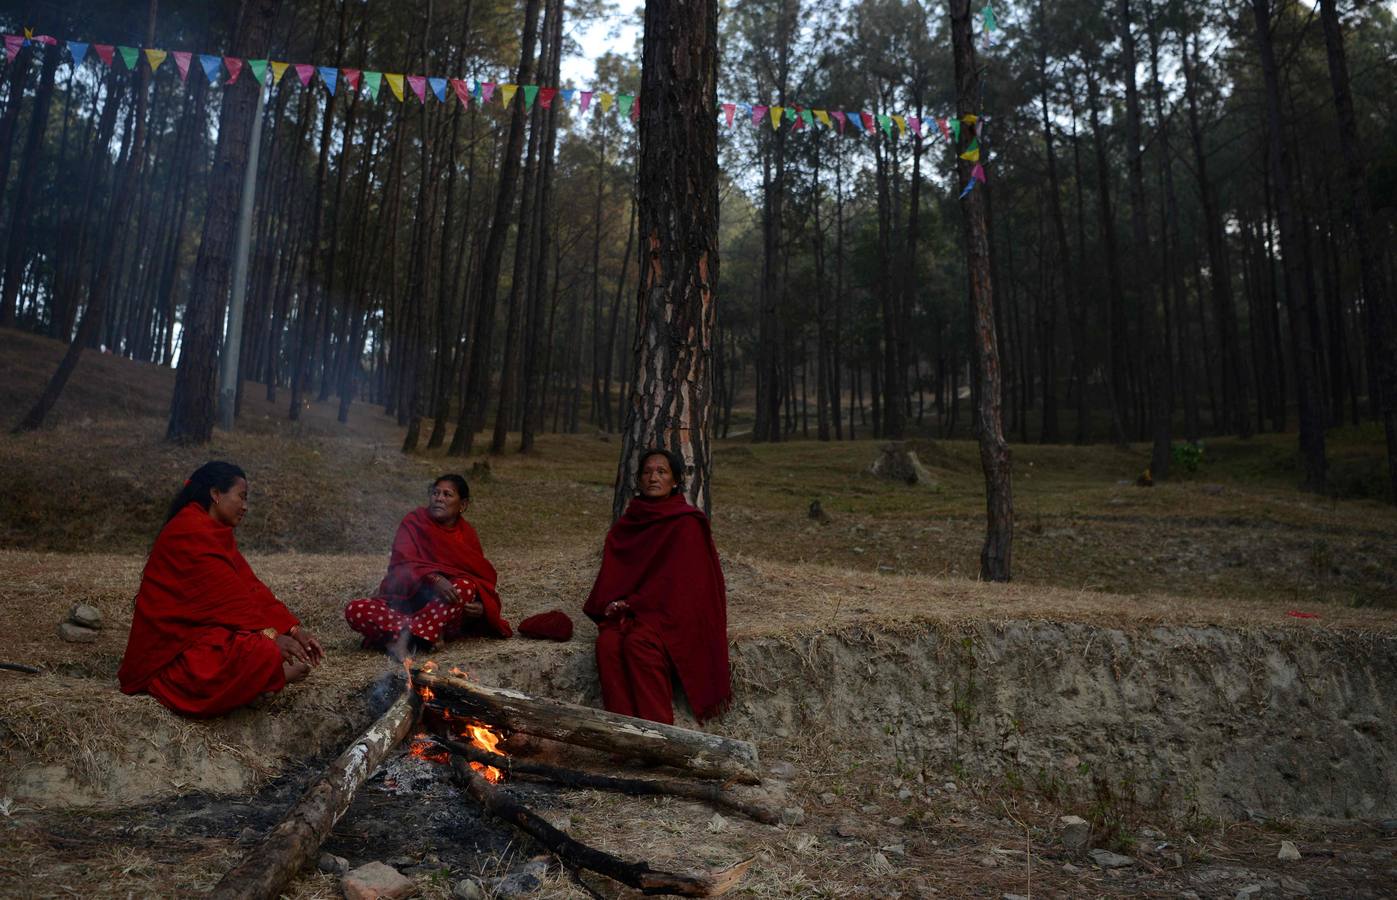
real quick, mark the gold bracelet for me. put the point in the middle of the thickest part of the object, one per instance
(269, 633)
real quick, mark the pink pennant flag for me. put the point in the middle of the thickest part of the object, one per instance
(978, 173)
(463, 91)
(12, 44)
(728, 110)
(915, 124)
(304, 71)
(419, 86)
(545, 97)
(182, 58)
(487, 90)
(104, 52)
(945, 129)
(758, 114)
(838, 117)
(235, 68)
(351, 78)
(585, 101)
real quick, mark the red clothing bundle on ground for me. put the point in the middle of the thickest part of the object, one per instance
(553, 625)
(422, 549)
(193, 642)
(659, 558)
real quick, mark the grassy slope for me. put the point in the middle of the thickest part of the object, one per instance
(99, 478)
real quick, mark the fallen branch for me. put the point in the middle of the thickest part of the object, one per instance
(577, 855)
(20, 667)
(709, 755)
(708, 792)
(266, 868)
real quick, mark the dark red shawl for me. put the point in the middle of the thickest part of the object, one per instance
(422, 548)
(195, 584)
(659, 557)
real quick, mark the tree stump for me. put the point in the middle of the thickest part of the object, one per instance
(896, 463)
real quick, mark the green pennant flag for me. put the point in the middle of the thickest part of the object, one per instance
(955, 128)
(623, 103)
(129, 56)
(790, 114)
(885, 123)
(259, 69)
(808, 117)
(374, 80)
(991, 23)
(530, 92)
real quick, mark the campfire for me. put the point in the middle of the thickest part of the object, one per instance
(451, 720)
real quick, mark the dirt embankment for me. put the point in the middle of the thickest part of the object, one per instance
(1189, 719)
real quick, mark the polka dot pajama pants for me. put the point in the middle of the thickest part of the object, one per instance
(380, 624)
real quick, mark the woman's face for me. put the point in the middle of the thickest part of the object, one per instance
(656, 478)
(228, 507)
(445, 503)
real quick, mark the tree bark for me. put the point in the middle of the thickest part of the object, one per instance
(671, 395)
(996, 556)
(1382, 335)
(1292, 253)
(193, 407)
(16, 248)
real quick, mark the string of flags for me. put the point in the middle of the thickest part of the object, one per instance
(344, 79)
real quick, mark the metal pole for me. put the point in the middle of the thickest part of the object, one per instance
(232, 346)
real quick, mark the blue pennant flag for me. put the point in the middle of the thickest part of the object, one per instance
(856, 119)
(329, 75)
(567, 95)
(969, 186)
(79, 50)
(438, 88)
(211, 66)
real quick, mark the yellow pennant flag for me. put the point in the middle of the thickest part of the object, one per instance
(155, 58)
(278, 70)
(507, 93)
(901, 124)
(605, 101)
(396, 83)
(776, 112)
(823, 117)
(969, 118)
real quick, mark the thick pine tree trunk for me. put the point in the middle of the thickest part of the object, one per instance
(193, 407)
(996, 555)
(420, 290)
(1115, 320)
(1292, 253)
(671, 399)
(1382, 335)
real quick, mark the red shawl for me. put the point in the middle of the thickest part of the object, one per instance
(195, 584)
(422, 549)
(659, 557)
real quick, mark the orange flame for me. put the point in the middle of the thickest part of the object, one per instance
(481, 736)
(423, 748)
(429, 666)
(459, 672)
(428, 695)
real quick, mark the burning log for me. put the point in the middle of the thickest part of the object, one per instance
(708, 792)
(266, 868)
(576, 855)
(705, 754)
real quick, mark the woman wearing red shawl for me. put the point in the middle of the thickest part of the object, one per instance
(207, 636)
(660, 603)
(439, 584)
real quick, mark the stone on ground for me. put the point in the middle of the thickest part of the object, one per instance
(331, 864)
(76, 634)
(468, 889)
(1289, 852)
(1076, 832)
(375, 881)
(86, 616)
(1108, 860)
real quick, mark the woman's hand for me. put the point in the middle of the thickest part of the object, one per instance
(314, 652)
(615, 609)
(473, 609)
(291, 650)
(446, 589)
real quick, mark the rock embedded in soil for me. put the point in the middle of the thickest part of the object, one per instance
(1108, 860)
(468, 889)
(86, 616)
(1288, 852)
(331, 864)
(782, 769)
(828, 798)
(1076, 832)
(76, 634)
(375, 881)
(793, 815)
